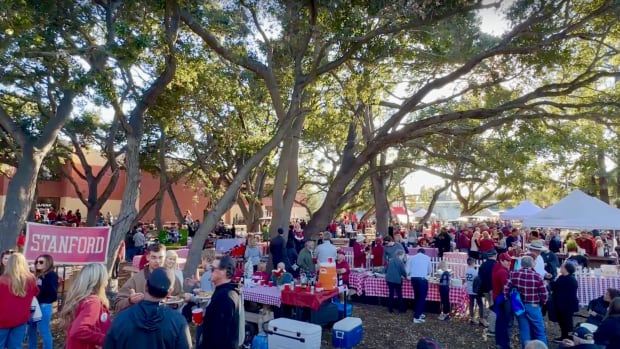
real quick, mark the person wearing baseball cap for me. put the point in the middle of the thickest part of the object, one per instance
(147, 324)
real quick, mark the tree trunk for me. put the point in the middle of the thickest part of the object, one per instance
(96, 201)
(431, 205)
(158, 211)
(91, 217)
(602, 177)
(382, 206)
(286, 181)
(19, 196)
(133, 177)
(175, 205)
(228, 199)
(405, 206)
(332, 202)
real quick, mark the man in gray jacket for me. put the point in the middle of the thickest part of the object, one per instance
(394, 274)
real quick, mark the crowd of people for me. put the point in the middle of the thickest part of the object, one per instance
(517, 284)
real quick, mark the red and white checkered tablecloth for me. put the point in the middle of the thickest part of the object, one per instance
(592, 287)
(356, 281)
(263, 294)
(459, 298)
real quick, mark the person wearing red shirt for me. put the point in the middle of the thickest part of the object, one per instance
(17, 289)
(342, 267)
(502, 323)
(377, 253)
(51, 216)
(85, 314)
(359, 252)
(21, 241)
(586, 243)
(486, 244)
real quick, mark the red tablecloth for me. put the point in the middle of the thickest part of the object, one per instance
(263, 294)
(307, 299)
(356, 281)
(592, 287)
(377, 287)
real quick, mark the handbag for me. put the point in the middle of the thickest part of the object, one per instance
(517, 303)
(35, 311)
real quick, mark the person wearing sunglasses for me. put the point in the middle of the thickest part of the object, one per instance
(47, 280)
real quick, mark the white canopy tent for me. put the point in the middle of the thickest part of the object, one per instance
(519, 213)
(577, 211)
(421, 213)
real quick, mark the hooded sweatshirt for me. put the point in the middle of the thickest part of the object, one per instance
(221, 319)
(147, 324)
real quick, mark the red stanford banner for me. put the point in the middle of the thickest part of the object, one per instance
(67, 245)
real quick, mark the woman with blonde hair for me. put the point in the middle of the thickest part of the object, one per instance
(252, 252)
(172, 264)
(17, 289)
(85, 314)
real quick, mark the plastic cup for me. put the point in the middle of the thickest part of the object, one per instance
(270, 283)
(298, 288)
(197, 315)
(314, 260)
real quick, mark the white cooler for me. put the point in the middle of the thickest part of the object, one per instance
(286, 334)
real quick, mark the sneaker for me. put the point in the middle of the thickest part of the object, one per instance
(491, 334)
(419, 321)
(423, 316)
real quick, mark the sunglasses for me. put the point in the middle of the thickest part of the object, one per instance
(40, 262)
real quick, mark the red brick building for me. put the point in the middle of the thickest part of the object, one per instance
(62, 193)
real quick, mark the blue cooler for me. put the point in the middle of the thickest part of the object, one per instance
(347, 332)
(341, 312)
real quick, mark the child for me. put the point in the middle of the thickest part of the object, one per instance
(444, 291)
(474, 298)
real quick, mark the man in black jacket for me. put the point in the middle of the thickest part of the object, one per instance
(220, 329)
(277, 248)
(485, 273)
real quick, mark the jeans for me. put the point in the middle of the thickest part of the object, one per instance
(398, 289)
(444, 295)
(12, 338)
(503, 325)
(420, 290)
(473, 300)
(531, 324)
(44, 328)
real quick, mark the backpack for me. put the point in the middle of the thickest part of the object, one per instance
(476, 285)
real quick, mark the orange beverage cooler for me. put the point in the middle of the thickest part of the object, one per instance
(327, 275)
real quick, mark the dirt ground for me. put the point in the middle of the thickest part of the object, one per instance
(396, 331)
